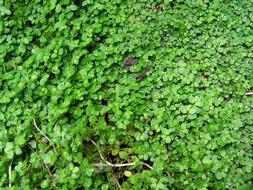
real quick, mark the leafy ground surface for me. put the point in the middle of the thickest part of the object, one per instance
(165, 83)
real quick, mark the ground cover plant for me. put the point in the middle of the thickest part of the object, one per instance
(126, 94)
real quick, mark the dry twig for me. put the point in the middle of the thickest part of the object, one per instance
(115, 177)
(10, 173)
(115, 165)
(248, 93)
(35, 124)
(118, 185)
(45, 136)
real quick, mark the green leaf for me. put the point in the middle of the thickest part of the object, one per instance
(128, 173)
(72, 7)
(123, 155)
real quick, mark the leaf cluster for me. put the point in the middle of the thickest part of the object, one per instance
(160, 82)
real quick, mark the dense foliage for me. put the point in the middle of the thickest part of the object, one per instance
(164, 83)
